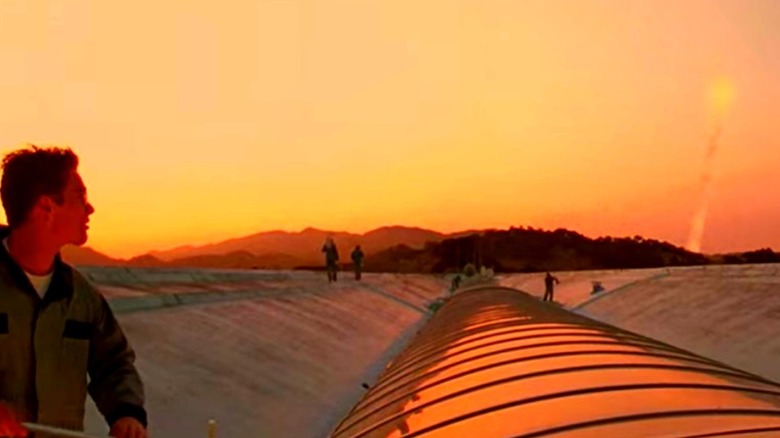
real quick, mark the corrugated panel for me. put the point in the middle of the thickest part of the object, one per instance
(496, 362)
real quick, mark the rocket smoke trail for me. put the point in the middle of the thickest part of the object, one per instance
(721, 94)
(699, 219)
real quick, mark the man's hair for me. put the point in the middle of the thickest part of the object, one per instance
(33, 172)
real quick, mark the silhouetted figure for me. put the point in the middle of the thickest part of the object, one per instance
(59, 338)
(455, 283)
(331, 258)
(549, 286)
(357, 261)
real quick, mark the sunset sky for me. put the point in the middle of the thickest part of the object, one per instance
(198, 121)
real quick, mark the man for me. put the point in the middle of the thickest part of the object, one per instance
(357, 261)
(55, 328)
(455, 283)
(331, 259)
(548, 287)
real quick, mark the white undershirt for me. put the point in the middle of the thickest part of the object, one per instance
(39, 282)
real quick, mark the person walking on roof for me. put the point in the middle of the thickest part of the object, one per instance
(331, 259)
(357, 261)
(549, 287)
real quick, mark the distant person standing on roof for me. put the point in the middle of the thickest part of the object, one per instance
(549, 285)
(331, 258)
(357, 261)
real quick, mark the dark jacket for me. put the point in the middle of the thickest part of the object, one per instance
(48, 347)
(549, 280)
(357, 257)
(331, 254)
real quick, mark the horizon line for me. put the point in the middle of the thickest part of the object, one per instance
(314, 228)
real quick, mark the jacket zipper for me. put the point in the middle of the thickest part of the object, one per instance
(33, 362)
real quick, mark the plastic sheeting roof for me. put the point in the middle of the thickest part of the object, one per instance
(496, 362)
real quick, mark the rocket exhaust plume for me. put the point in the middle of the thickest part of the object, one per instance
(700, 217)
(721, 95)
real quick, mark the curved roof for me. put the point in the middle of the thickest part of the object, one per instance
(496, 362)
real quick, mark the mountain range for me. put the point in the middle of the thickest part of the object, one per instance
(270, 249)
(412, 249)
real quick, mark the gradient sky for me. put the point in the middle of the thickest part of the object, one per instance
(198, 121)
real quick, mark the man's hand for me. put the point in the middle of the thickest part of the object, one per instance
(9, 426)
(128, 427)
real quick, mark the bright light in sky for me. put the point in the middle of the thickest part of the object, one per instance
(721, 95)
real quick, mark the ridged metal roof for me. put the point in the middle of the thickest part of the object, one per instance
(496, 362)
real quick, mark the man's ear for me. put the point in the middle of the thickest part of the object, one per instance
(44, 206)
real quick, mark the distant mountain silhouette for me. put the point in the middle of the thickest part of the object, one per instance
(411, 249)
(531, 250)
(170, 254)
(763, 255)
(86, 256)
(304, 246)
(266, 250)
(145, 261)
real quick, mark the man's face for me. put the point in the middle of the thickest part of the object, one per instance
(70, 219)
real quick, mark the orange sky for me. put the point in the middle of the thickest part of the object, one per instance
(198, 121)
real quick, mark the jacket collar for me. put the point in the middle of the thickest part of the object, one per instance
(61, 281)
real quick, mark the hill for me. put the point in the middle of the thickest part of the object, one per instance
(531, 250)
